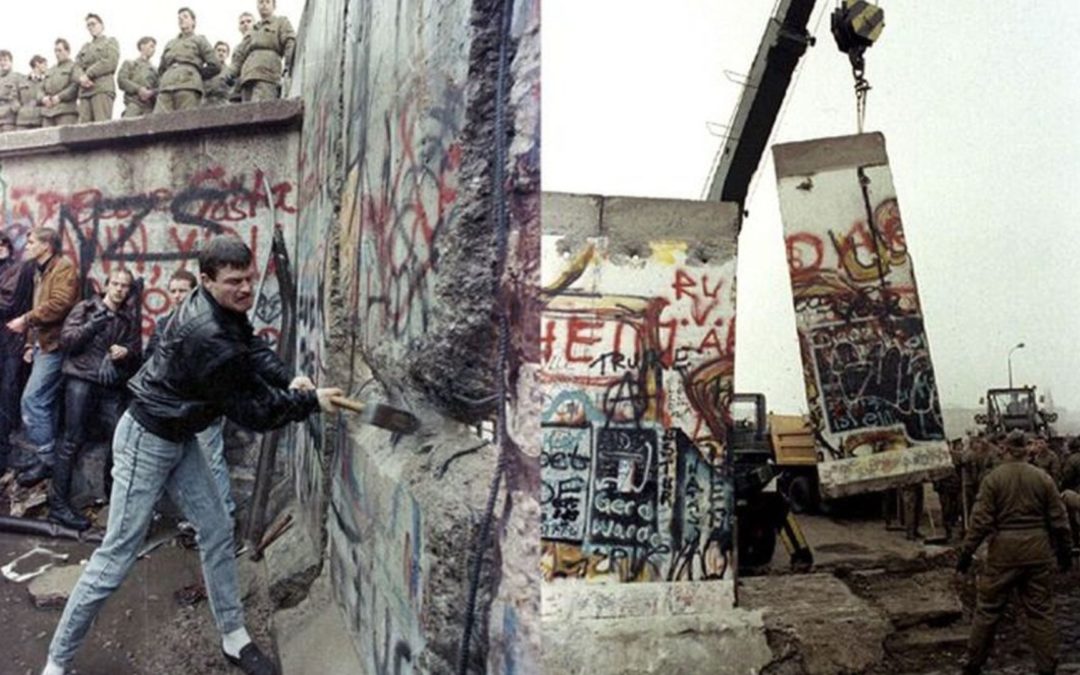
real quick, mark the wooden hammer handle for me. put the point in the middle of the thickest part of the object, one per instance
(347, 403)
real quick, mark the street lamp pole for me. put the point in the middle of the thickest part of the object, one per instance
(1019, 346)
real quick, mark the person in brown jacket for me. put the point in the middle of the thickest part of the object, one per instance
(1019, 509)
(56, 290)
(61, 89)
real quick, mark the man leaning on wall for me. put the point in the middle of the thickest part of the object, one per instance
(95, 67)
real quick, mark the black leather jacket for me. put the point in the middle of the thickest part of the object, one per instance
(88, 332)
(208, 362)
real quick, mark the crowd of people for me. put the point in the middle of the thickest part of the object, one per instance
(191, 73)
(164, 408)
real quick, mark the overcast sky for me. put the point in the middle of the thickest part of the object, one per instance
(30, 28)
(977, 101)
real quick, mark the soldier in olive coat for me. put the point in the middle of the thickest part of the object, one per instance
(31, 89)
(244, 24)
(217, 88)
(1040, 454)
(266, 55)
(95, 67)
(1070, 472)
(138, 79)
(60, 89)
(188, 59)
(9, 92)
(1020, 511)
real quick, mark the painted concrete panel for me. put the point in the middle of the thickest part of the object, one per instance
(147, 204)
(866, 359)
(637, 346)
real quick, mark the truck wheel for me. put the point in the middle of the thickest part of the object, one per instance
(801, 494)
(757, 542)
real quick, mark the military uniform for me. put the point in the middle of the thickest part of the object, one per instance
(31, 89)
(948, 491)
(61, 82)
(1048, 460)
(97, 60)
(184, 63)
(216, 90)
(1072, 508)
(1070, 472)
(9, 100)
(233, 69)
(270, 42)
(1019, 509)
(134, 75)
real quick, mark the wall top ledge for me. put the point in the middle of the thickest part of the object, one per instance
(241, 118)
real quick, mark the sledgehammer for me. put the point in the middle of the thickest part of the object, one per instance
(380, 415)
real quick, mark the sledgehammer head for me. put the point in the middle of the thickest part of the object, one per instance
(380, 414)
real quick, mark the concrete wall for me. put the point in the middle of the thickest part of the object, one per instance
(638, 363)
(144, 194)
(866, 358)
(405, 274)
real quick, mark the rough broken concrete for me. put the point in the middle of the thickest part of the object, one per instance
(53, 588)
(831, 629)
(923, 598)
(650, 628)
(311, 637)
(292, 565)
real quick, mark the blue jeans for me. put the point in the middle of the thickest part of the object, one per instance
(143, 466)
(40, 401)
(212, 444)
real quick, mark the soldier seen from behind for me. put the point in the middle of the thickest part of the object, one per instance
(31, 89)
(95, 68)
(9, 92)
(1019, 511)
(60, 89)
(266, 55)
(188, 59)
(138, 79)
(102, 347)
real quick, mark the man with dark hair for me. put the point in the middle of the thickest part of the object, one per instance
(16, 294)
(205, 365)
(9, 92)
(1019, 510)
(60, 89)
(56, 290)
(95, 67)
(102, 345)
(267, 55)
(138, 79)
(212, 438)
(188, 59)
(217, 87)
(31, 89)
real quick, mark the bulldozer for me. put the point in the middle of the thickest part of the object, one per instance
(1012, 408)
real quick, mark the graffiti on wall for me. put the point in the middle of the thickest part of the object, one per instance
(866, 360)
(377, 568)
(157, 229)
(637, 366)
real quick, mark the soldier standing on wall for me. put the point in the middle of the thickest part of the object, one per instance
(266, 55)
(9, 92)
(31, 89)
(217, 87)
(1020, 511)
(95, 67)
(139, 80)
(246, 21)
(188, 59)
(60, 89)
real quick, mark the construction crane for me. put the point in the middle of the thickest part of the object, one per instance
(856, 25)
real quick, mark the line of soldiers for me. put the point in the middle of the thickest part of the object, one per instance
(190, 74)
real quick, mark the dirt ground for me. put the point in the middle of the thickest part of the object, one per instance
(142, 629)
(927, 604)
